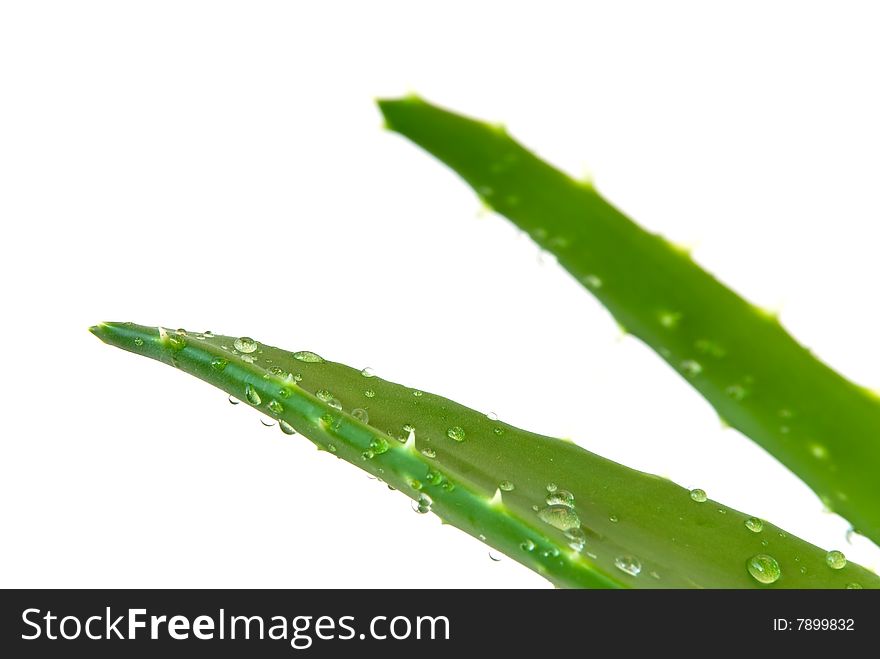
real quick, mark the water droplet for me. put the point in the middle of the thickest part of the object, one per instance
(553, 552)
(786, 413)
(247, 358)
(669, 319)
(283, 392)
(138, 341)
(428, 452)
(736, 391)
(691, 368)
(416, 393)
(495, 557)
(492, 416)
(251, 394)
(286, 428)
(456, 433)
(275, 406)
(368, 372)
(308, 356)
(629, 564)
(369, 393)
(708, 347)
(367, 455)
(218, 363)
(408, 428)
(552, 487)
(592, 282)
(323, 395)
(498, 430)
(266, 421)
(835, 559)
(560, 498)
(765, 542)
(331, 448)
(576, 538)
(378, 446)
(423, 504)
(334, 403)
(233, 400)
(561, 517)
(754, 524)
(361, 414)
(698, 495)
(613, 518)
(527, 545)
(278, 371)
(764, 568)
(506, 486)
(854, 586)
(818, 451)
(245, 344)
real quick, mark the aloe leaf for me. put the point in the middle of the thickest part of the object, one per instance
(757, 377)
(576, 518)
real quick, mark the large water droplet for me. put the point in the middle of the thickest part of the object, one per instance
(576, 538)
(754, 524)
(308, 356)
(138, 341)
(423, 504)
(334, 403)
(428, 452)
(266, 421)
(456, 433)
(361, 414)
(233, 400)
(527, 545)
(218, 363)
(286, 428)
(764, 568)
(252, 395)
(560, 517)
(629, 564)
(245, 344)
(275, 406)
(367, 372)
(506, 486)
(560, 498)
(698, 495)
(835, 559)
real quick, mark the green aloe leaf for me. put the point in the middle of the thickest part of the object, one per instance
(757, 377)
(576, 518)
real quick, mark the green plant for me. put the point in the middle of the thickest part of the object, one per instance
(576, 518)
(740, 358)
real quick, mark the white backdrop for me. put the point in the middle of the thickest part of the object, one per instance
(216, 165)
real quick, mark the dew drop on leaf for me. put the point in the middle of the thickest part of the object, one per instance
(251, 394)
(754, 524)
(698, 495)
(835, 559)
(456, 433)
(308, 356)
(245, 344)
(628, 564)
(764, 568)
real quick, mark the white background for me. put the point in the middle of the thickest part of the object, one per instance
(215, 165)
